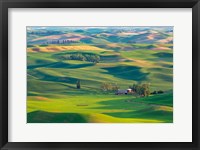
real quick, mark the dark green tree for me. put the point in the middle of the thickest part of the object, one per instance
(141, 89)
(134, 87)
(78, 84)
(145, 90)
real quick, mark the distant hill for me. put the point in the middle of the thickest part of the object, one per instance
(98, 35)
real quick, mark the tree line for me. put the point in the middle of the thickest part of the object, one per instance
(60, 42)
(139, 89)
(142, 90)
(82, 57)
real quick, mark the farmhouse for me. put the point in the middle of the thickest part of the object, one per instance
(118, 92)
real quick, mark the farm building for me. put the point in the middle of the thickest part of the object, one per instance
(119, 92)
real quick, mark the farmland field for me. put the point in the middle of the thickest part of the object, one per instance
(79, 74)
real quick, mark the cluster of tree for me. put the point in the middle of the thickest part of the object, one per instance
(157, 92)
(106, 86)
(141, 89)
(144, 90)
(82, 57)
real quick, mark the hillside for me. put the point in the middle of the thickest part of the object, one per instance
(59, 57)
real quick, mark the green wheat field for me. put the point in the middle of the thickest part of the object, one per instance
(99, 74)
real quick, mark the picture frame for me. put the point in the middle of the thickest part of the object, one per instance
(4, 67)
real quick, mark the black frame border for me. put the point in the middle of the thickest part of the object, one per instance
(6, 4)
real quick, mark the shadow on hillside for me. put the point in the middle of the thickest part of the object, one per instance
(167, 65)
(127, 72)
(135, 109)
(46, 77)
(148, 113)
(48, 117)
(164, 56)
(60, 65)
(110, 58)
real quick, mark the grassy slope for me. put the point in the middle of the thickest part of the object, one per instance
(52, 93)
(107, 107)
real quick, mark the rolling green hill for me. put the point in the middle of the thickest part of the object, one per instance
(52, 75)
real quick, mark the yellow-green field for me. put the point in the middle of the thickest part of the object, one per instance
(100, 108)
(53, 96)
